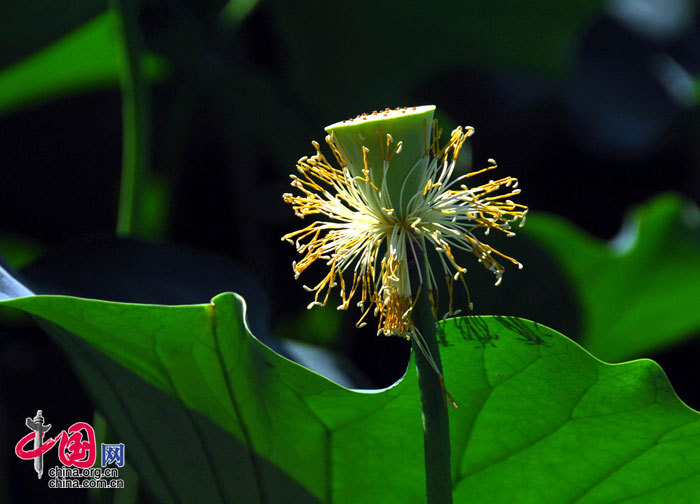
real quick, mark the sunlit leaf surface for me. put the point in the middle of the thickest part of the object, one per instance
(639, 293)
(210, 412)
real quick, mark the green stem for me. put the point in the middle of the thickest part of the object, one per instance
(136, 116)
(436, 429)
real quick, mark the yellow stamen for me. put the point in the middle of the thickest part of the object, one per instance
(363, 234)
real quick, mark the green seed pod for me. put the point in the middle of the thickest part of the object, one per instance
(392, 142)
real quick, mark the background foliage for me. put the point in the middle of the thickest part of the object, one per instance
(592, 105)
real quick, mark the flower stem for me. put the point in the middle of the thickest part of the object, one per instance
(136, 117)
(436, 430)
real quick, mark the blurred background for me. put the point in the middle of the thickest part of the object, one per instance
(591, 104)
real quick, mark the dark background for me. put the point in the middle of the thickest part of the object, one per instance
(591, 133)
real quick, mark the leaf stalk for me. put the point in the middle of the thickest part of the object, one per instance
(136, 117)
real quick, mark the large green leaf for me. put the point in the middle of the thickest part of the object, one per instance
(382, 49)
(215, 415)
(84, 59)
(639, 293)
